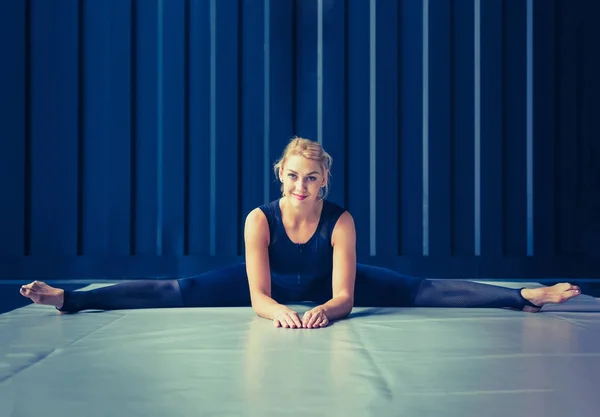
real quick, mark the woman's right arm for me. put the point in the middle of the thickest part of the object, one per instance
(256, 238)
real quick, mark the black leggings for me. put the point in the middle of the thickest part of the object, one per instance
(228, 287)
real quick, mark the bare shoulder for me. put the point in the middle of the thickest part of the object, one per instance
(257, 226)
(345, 221)
(344, 228)
(256, 216)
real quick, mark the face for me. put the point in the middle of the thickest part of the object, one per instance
(302, 179)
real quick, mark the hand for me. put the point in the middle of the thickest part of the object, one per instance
(315, 318)
(288, 318)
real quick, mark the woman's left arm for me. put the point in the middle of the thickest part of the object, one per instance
(340, 305)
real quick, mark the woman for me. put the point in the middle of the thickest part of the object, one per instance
(300, 247)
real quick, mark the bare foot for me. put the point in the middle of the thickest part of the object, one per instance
(42, 293)
(557, 294)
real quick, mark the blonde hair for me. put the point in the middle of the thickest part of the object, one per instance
(309, 149)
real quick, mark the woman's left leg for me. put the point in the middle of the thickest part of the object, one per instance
(381, 287)
(377, 286)
(460, 293)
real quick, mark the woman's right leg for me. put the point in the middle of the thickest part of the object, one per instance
(136, 294)
(224, 287)
(221, 287)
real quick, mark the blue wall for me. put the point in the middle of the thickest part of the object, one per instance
(136, 135)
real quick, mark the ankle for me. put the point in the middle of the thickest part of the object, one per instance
(531, 297)
(60, 304)
(526, 293)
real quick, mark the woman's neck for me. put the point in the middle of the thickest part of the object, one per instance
(304, 214)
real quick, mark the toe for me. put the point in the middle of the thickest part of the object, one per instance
(571, 286)
(567, 295)
(563, 287)
(29, 294)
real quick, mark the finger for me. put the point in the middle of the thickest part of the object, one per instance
(287, 321)
(321, 321)
(296, 319)
(276, 323)
(317, 316)
(324, 322)
(306, 318)
(281, 321)
(315, 319)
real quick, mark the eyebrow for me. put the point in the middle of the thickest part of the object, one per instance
(310, 173)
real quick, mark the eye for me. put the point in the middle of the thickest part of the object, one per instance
(312, 178)
(292, 176)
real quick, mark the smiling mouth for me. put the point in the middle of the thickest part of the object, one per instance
(300, 197)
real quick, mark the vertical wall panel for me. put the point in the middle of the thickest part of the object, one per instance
(95, 125)
(589, 67)
(410, 143)
(515, 163)
(492, 133)
(54, 127)
(463, 151)
(440, 96)
(174, 32)
(544, 94)
(282, 90)
(226, 129)
(122, 127)
(358, 119)
(105, 118)
(255, 170)
(13, 119)
(334, 94)
(198, 156)
(386, 126)
(149, 139)
(567, 131)
(307, 70)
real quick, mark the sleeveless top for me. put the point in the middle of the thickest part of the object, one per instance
(297, 267)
